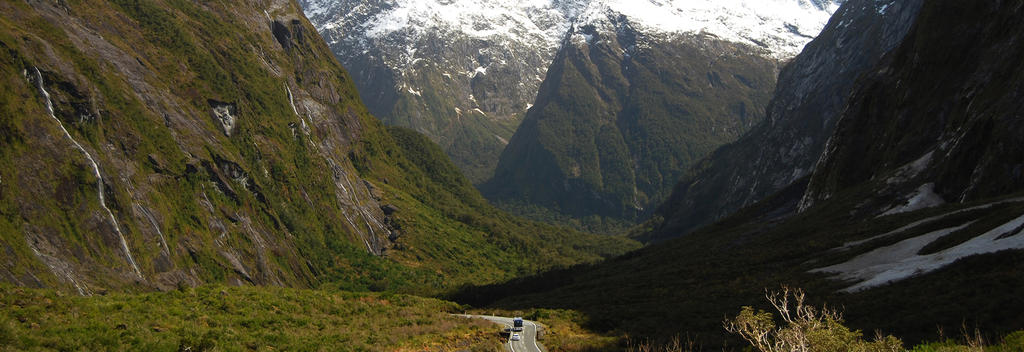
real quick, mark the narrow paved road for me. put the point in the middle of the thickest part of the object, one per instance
(529, 333)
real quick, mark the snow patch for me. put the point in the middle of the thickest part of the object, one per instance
(901, 261)
(923, 197)
(581, 38)
(852, 244)
(911, 169)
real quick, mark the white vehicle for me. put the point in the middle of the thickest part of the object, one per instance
(516, 337)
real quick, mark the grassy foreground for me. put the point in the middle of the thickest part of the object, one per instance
(235, 319)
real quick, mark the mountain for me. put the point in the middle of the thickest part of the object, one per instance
(810, 96)
(912, 221)
(621, 115)
(625, 110)
(188, 143)
(465, 72)
(462, 72)
(930, 125)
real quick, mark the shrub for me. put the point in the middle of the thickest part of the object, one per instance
(806, 328)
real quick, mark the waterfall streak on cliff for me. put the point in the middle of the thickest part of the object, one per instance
(95, 169)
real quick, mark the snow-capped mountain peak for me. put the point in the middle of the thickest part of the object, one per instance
(781, 26)
(463, 71)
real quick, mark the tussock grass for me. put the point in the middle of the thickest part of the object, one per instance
(222, 318)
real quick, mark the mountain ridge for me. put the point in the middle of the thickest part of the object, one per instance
(621, 114)
(466, 72)
(802, 115)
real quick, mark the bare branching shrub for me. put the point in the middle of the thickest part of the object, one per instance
(968, 342)
(804, 328)
(975, 342)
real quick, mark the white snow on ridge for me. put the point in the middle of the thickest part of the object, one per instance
(901, 261)
(535, 20)
(781, 26)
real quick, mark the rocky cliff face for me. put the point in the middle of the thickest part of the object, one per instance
(465, 82)
(465, 72)
(811, 94)
(164, 143)
(932, 124)
(622, 113)
(151, 153)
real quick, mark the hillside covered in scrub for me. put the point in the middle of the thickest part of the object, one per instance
(158, 144)
(235, 318)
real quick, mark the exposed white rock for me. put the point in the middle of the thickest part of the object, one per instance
(224, 113)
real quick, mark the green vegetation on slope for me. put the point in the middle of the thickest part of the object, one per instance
(618, 121)
(472, 138)
(811, 329)
(446, 226)
(295, 194)
(235, 319)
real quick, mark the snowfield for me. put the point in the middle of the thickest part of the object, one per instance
(781, 26)
(901, 260)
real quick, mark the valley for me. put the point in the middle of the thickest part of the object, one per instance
(871, 232)
(623, 84)
(596, 175)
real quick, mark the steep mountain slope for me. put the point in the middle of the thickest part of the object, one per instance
(625, 110)
(622, 113)
(932, 125)
(902, 265)
(189, 143)
(465, 72)
(809, 98)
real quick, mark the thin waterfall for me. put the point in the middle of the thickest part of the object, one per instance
(95, 169)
